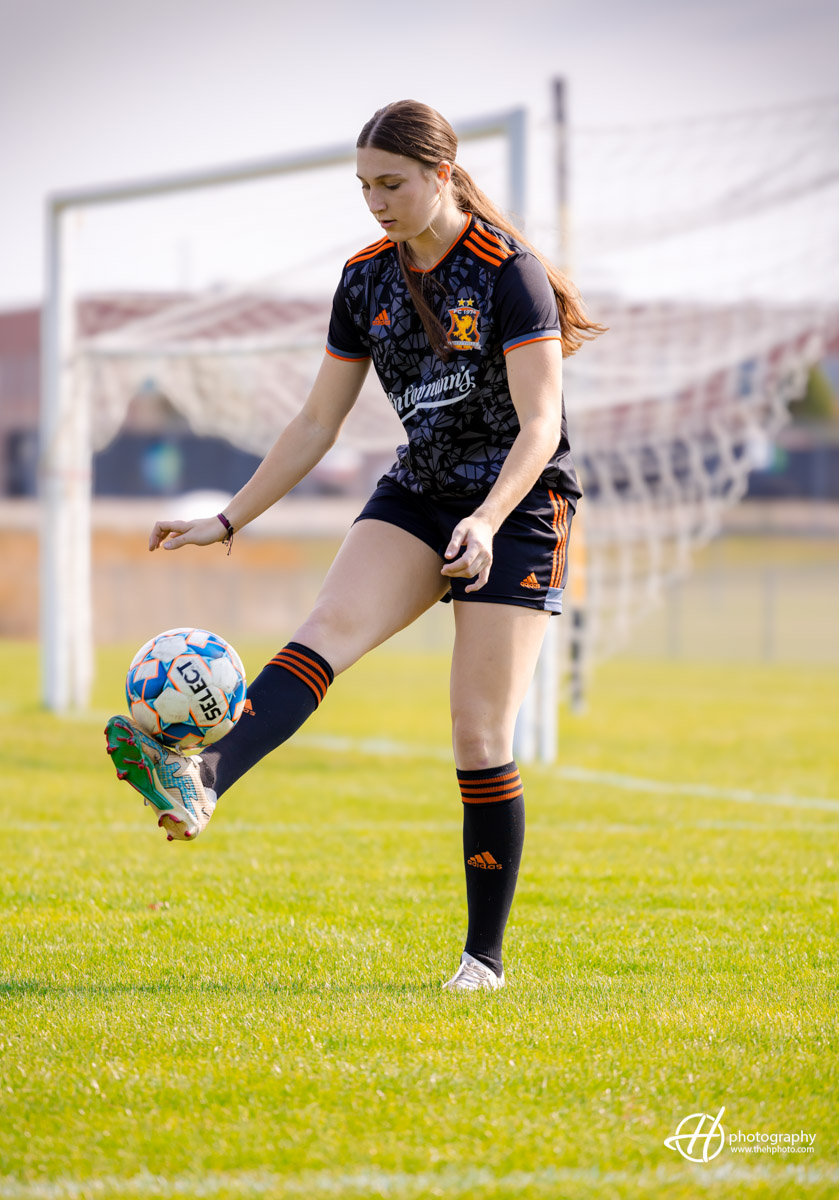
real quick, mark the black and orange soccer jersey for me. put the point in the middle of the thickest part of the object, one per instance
(458, 415)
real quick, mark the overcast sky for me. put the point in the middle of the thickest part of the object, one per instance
(101, 90)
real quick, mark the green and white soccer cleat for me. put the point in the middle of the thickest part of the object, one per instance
(473, 976)
(169, 782)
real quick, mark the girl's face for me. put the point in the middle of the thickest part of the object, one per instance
(401, 193)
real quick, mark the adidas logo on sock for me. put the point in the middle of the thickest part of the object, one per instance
(485, 861)
(530, 582)
(382, 318)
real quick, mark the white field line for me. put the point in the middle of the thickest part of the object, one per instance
(448, 1182)
(707, 791)
(630, 783)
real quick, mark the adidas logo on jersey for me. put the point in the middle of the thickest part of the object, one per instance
(382, 318)
(530, 582)
(485, 861)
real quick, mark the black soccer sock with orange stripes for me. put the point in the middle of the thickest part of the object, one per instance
(493, 836)
(284, 694)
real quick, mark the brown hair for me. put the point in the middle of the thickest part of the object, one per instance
(416, 131)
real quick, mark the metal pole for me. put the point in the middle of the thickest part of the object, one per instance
(517, 165)
(560, 105)
(524, 736)
(543, 707)
(64, 485)
(549, 689)
(537, 725)
(527, 736)
(81, 532)
(53, 615)
(551, 667)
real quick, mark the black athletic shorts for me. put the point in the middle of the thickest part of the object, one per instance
(530, 550)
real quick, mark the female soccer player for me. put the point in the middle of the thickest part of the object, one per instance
(466, 326)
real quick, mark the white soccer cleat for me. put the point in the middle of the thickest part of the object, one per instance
(168, 781)
(473, 976)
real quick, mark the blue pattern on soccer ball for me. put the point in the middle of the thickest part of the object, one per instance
(175, 734)
(152, 688)
(186, 687)
(214, 649)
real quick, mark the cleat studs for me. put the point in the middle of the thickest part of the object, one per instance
(122, 774)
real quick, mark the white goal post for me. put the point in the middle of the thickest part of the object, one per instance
(66, 444)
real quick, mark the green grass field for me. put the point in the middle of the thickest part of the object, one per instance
(260, 1014)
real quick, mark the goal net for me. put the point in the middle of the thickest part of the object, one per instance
(711, 249)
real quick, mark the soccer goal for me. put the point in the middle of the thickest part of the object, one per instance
(231, 328)
(709, 248)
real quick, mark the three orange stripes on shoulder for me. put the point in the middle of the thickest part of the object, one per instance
(479, 240)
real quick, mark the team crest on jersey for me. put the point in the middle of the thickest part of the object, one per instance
(464, 333)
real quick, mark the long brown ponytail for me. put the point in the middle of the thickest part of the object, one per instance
(417, 131)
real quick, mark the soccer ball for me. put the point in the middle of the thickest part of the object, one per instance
(186, 688)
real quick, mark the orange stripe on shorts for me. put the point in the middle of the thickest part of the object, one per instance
(560, 527)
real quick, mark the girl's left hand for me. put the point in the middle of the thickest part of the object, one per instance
(473, 537)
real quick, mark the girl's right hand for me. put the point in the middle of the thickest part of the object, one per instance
(174, 534)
